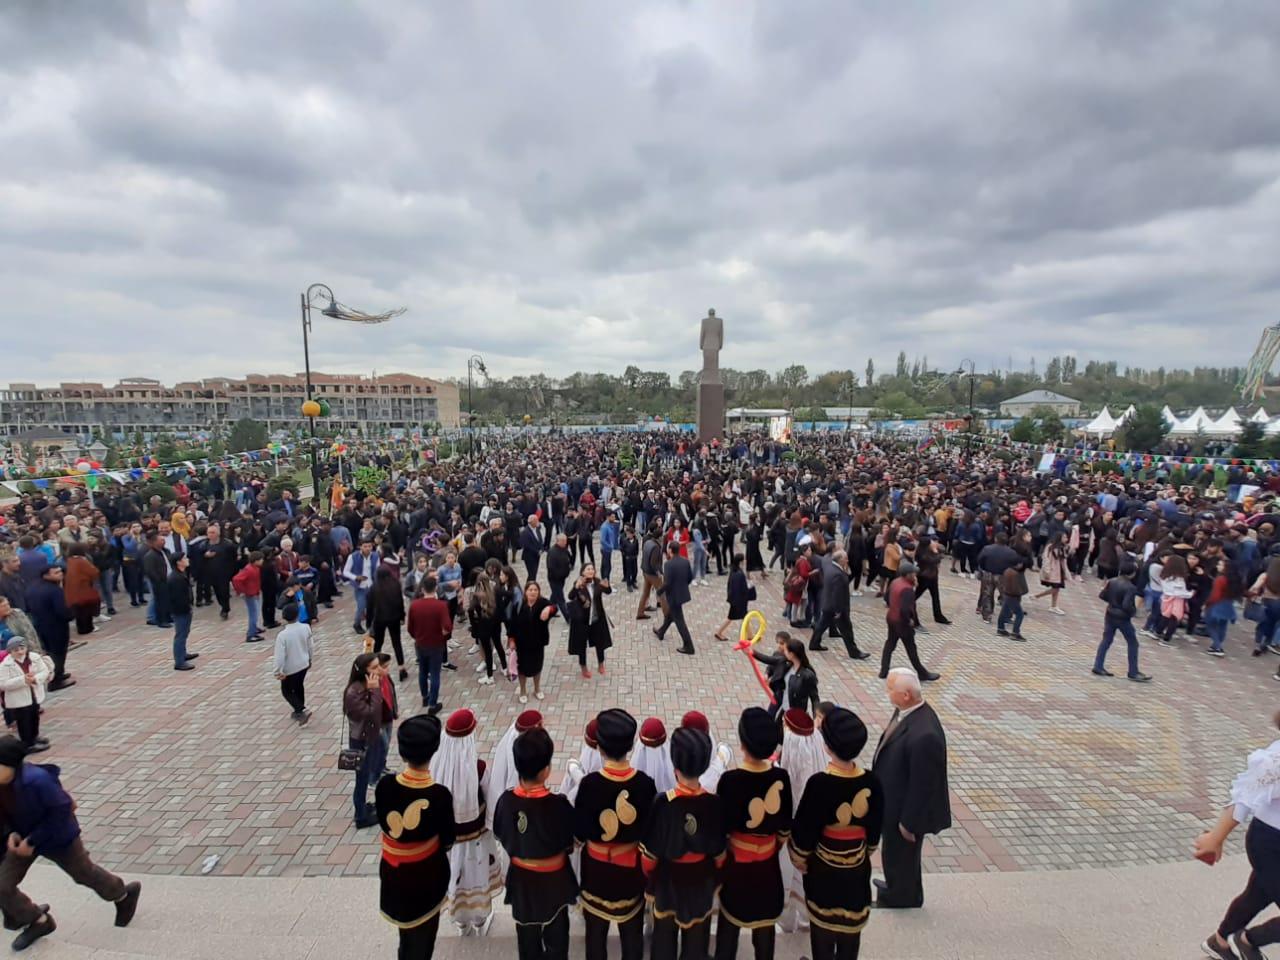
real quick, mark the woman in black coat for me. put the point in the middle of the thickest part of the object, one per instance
(752, 537)
(529, 636)
(797, 686)
(385, 612)
(739, 594)
(588, 623)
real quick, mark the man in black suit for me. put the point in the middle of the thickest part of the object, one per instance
(911, 764)
(834, 615)
(676, 577)
(531, 547)
(218, 567)
(559, 567)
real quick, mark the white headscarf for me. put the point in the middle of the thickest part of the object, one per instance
(802, 757)
(502, 773)
(454, 766)
(656, 762)
(589, 759)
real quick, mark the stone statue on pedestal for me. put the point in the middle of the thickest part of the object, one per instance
(710, 387)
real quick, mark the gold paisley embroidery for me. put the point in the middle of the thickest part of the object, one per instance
(398, 823)
(770, 803)
(522, 822)
(855, 808)
(623, 814)
(690, 824)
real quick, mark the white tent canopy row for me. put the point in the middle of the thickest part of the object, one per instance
(1227, 425)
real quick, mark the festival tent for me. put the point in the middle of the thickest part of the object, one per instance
(1169, 418)
(1272, 428)
(1103, 424)
(1129, 413)
(1196, 423)
(1260, 416)
(1226, 425)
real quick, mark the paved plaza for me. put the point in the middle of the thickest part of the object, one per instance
(1050, 767)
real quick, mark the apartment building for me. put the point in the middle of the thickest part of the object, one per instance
(392, 401)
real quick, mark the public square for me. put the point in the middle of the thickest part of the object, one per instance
(1051, 769)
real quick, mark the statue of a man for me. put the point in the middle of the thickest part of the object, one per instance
(710, 342)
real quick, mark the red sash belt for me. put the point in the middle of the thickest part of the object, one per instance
(844, 833)
(690, 858)
(397, 854)
(541, 864)
(619, 854)
(752, 847)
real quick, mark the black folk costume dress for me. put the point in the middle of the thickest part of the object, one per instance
(416, 816)
(683, 846)
(756, 799)
(610, 814)
(536, 829)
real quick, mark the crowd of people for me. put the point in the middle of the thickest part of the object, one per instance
(433, 554)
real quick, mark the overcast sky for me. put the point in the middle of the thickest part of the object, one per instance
(569, 186)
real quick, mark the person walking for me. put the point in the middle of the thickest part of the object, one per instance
(588, 622)
(1013, 587)
(218, 568)
(292, 661)
(834, 612)
(610, 540)
(677, 575)
(531, 547)
(47, 608)
(1053, 571)
(928, 559)
(359, 573)
(911, 765)
(430, 626)
(738, 593)
(41, 820)
(362, 706)
(900, 617)
(385, 613)
(651, 571)
(179, 587)
(529, 636)
(248, 585)
(1120, 595)
(559, 567)
(156, 567)
(1254, 800)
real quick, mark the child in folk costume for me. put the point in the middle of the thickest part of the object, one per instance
(416, 816)
(802, 756)
(654, 755)
(757, 814)
(721, 755)
(502, 772)
(835, 831)
(682, 850)
(535, 827)
(475, 875)
(609, 820)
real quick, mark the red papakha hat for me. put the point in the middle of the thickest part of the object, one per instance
(696, 720)
(460, 723)
(590, 733)
(653, 733)
(798, 721)
(529, 720)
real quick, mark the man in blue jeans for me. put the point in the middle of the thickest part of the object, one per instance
(608, 543)
(359, 571)
(179, 588)
(1120, 596)
(430, 626)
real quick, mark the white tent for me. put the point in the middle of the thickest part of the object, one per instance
(1227, 425)
(1169, 418)
(1103, 424)
(1272, 428)
(1197, 422)
(1129, 413)
(1260, 416)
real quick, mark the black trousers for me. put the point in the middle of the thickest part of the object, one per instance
(907, 636)
(931, 585)
(28, 720)
(1262, 844)
(490, 639)
(901, 860)
(380, 630)
(222, 590)
(531, 567)
(292, 691)
(693, 942)
(587, 552)
(675, 614)
(840, 625)
(419, 943)
(727, 933)
(630, 933)
(544, 941)
(828, 945)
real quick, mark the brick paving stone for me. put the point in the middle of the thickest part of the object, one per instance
(1050, 767)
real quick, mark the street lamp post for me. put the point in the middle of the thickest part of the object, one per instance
(476, 362)
(335, 311)
(973, 376)
(848, 413)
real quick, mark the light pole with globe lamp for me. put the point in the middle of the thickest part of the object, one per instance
(474, 362)
(973, 377)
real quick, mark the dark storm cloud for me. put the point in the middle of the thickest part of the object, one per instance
(570, 186)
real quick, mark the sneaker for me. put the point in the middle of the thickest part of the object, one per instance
(1139, 678)
(1151, 634)
(1165, 643)
(1002, 632)
(473, 650)
(540, 695)
(1247, 951)
(1058, 610)
(449, 666)
(41, 928)
(855, 593)
(1216, 653)
(1102, 673)
(479, 668)
(1017, 636)
(1274, 648)
(1211, 949)
(522, 699)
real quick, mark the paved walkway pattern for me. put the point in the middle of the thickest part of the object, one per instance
(1051, 768)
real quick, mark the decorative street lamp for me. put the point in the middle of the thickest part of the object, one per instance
(335, 311)
(973, 376)
(476, 362)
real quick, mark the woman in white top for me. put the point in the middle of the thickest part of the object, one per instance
(1254, 794)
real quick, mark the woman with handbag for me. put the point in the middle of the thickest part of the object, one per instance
(739, 593)
(363, 706)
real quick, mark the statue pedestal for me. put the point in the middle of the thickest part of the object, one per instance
(710, 411)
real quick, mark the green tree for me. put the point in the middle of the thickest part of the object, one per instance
(1144, 431)
(809, 414)
(1024, 431)
(793, 377)
(1252, 441)
(247, 434)
(901, 371)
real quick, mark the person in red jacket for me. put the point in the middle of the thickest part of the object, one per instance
(248, 584)
(901, 619)
(430, 626)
